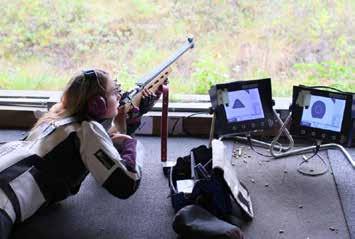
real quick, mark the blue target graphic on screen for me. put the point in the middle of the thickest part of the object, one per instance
(324, 113)
(244, 105)
(318, 109)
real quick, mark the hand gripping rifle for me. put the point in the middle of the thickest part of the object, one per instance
(153, 81)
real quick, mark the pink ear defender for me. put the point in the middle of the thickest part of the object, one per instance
(97, 106)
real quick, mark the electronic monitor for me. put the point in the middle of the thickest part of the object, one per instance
(321, 114)
(242, 106)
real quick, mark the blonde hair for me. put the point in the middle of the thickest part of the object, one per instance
(76, 95)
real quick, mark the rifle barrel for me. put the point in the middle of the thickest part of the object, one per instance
(146, 79)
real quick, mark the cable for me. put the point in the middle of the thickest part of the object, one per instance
(251, 146)
(182, 118)
(186, 117)
(326, 87)
(175, 124)
(197, 113)
(319, 156)
(305, 159)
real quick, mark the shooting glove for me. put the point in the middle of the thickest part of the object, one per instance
(135, 115)
(148, 102)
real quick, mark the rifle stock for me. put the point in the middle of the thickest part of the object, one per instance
(152, 85)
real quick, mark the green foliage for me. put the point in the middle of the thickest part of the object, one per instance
(28, 26)
(125, 78)
(309, 42)
(145, 7)
(208, 72)
(24, 80)
(344, 49)
(146, 58)
(329, 72)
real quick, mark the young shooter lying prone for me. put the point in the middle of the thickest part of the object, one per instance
(66, 144)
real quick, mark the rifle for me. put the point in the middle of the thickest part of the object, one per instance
(156, 78)
(152, 81)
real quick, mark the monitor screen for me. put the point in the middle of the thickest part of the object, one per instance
(244, 105)
(324, 113)
(321, 114)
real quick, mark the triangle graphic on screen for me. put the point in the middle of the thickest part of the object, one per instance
(238, 104)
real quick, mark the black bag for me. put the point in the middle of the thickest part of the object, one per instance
(184, 169)
(203, 185)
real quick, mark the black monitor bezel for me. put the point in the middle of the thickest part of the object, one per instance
(317, 133)
(223, 127)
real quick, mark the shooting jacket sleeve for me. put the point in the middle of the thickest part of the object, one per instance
(116, 170)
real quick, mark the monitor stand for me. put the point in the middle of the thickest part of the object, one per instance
(279, 151)
(309, 148)
(313, 166)
(274, 144)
